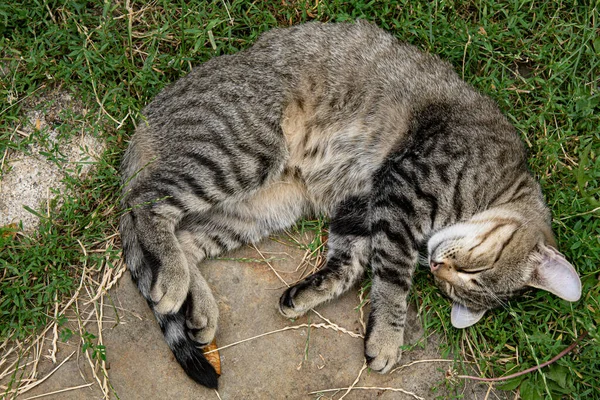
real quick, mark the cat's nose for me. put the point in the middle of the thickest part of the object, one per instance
(434, 265)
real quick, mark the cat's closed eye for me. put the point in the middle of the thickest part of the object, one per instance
(472, 271)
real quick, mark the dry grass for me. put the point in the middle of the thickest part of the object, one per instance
(20, 360)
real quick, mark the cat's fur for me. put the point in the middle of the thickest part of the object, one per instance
(344, 120)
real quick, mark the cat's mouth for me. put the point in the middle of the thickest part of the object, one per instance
(472, 299)
(464, 313)
(449, 290)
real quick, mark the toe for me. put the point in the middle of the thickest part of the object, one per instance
(286, 301)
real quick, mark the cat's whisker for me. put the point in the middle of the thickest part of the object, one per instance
(423, 260)
(493, 295)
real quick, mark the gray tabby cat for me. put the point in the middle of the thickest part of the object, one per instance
(344, 120)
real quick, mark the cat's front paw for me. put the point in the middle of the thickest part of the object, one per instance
(312, 291)
(287, 306)
(382, 349)
(170, 289)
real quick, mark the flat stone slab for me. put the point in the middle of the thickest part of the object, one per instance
(295, 363)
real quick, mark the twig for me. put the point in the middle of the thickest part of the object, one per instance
(302, 262)
(10, 369)
(100, 319)
(361, 304)
(401, 367)
(6, 153)
(86, 352)
(22, 98)
(38, 356)
(528, 370)
(82, 328)
(466, 339)
(55, 331)
(580, 214)
(465, 55)
(108, 281)
(59, 391)
(227, 9)
(270, 266)
(38, 382)
(356, 380)
(391, 389)
(487, 394)
(287, 328)
(337, 327)
(100, 291)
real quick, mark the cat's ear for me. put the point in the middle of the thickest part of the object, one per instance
(552, 272)
(463, 317)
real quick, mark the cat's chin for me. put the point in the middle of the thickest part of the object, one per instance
(463, 317)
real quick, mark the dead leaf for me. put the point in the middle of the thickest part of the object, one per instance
(213, 357)
(11, 231)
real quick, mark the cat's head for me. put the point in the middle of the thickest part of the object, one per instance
(495, 255)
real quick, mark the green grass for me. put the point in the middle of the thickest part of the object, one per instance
(539, 60)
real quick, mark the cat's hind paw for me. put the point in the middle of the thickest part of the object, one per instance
(202, 328)
(202, 313)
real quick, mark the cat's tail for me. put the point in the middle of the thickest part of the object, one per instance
(186, 351)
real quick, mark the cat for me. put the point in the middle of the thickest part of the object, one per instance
(341, 120)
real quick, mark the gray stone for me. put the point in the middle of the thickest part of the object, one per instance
(284, 365)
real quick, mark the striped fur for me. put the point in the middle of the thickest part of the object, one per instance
(343, 120)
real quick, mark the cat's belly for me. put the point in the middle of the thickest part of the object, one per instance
(335, 158)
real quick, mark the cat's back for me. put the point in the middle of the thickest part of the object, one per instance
(329, 55)
(344, 53)
(331, 100)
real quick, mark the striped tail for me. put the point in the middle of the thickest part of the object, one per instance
(186, 351)
(141, 264)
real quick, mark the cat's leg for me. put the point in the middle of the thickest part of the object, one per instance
(154, 257)
(347, 258)
(226, 227)
(393, 260)
(201, 313)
